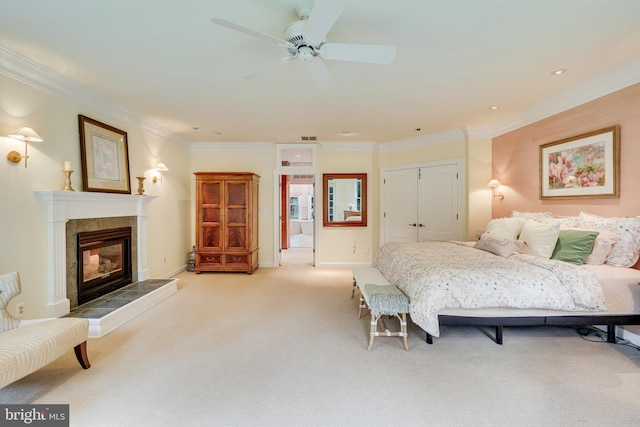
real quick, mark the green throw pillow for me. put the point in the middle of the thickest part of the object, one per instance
(574, 246)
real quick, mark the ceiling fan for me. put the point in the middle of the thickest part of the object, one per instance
(305, 40)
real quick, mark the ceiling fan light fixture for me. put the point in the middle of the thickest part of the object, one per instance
(305, 54)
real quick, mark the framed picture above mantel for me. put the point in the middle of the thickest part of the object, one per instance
(583, 166)
(104, 157)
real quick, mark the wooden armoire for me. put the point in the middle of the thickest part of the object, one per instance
(226, 221)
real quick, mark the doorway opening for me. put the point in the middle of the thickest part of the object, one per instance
(297, 237)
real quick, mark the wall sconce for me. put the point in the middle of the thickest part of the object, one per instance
(26, 135)
(494, 183)
(160, 167)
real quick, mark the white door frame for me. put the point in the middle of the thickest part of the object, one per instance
(461, 204)
(317, 207)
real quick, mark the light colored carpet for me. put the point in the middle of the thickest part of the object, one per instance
(284, 347)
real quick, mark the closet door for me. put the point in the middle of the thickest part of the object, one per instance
(401, 205)
(422, 203)
(438, 217)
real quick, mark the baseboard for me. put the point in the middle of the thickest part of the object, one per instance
(343, 265)
(102, 326)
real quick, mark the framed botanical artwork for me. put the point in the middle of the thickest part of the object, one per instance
(586, 166)
(104, 157)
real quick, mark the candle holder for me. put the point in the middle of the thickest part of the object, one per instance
(67, 181)
(140, 185)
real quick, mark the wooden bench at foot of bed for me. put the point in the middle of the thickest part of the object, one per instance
(381, 298)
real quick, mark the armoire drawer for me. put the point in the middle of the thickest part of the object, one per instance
(210, 259)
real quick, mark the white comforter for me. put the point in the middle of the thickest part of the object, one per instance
(437, 275)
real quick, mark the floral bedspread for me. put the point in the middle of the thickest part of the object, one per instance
(437, 275)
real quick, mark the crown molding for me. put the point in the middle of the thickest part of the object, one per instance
(619, 78)
(231, 146)
(478, 132)
(422, 141)
(367, 146)
(21, 68)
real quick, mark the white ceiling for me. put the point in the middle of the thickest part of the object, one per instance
(164, 60)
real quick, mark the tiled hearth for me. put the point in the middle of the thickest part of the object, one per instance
(63, 206)
(110, 311)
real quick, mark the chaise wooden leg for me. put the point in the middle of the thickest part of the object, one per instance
(81, 355)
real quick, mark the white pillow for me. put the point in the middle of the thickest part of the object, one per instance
(536, 216)
(602, 247)
(539, 239)
(497, 245)
(507, 228)
(626, 251)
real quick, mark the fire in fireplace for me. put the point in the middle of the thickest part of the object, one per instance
(104, 262)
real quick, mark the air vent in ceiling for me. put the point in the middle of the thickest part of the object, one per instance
(308, 138)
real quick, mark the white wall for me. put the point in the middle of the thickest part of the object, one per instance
(22, 213)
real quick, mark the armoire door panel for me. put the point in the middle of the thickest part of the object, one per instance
(211, 193)
(211, 237)
(237, 194)
(211, 215)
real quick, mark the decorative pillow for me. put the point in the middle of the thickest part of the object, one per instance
(539, 239)
(507, 228)
(497, 245)
(536, 216)
(626, 251)
(9, 287)
(574, 246)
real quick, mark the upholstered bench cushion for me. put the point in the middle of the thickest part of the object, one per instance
(386, 299)
(28, 348)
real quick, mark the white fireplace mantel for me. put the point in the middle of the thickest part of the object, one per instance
(62, 206)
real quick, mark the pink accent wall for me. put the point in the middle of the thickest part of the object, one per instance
(515, 160)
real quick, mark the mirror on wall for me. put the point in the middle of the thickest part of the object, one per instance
(345, 199)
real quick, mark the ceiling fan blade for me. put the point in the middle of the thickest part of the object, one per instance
(320, 74)
(372, 53)
(266, 68)
(251, 32)
(324, 14)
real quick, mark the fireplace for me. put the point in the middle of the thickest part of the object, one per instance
(104, 262)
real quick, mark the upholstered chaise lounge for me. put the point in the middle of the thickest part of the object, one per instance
(26, 346)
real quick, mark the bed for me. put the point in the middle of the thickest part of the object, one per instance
(531, 276)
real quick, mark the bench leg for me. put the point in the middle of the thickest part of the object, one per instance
(81, 355)
(362, 306)
(403, 330)
(353, 290)
(373, 330)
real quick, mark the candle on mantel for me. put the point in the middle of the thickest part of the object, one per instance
(67, 165)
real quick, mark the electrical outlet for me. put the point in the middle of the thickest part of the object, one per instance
(19, 309)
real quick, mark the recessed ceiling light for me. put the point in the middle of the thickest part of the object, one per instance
(196, 128)
(494, 107)
(346, 133)
(558, 72)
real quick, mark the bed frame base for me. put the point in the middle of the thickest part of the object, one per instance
(611, 321)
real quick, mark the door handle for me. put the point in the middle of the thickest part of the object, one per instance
(421, 225)
(412, 225)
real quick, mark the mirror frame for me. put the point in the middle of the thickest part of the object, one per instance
(325, 200)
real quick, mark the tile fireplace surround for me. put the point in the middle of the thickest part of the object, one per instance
(62, 206)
